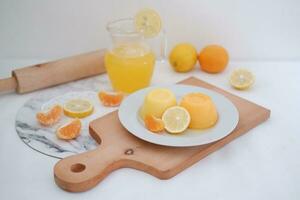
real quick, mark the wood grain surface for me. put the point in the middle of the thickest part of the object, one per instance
(53, 73)
(118, 148)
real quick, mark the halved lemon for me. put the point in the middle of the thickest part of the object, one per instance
(241, 79)
(78, 108)
(148, 22)
(176, 119)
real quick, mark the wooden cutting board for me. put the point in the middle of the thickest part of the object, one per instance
(120, 149)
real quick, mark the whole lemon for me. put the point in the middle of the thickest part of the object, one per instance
(213, 59)
(183, 57)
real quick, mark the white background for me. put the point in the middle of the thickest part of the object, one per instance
(263, 36)
(250, 30)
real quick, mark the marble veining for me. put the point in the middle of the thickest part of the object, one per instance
(43, 139)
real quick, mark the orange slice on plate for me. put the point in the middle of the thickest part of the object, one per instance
(110, 99)
(50, 117)
(154, 124)
(70, 130)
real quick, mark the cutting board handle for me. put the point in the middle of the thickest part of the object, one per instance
(83, 171)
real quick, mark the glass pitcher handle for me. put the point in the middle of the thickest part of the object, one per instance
(163, 46)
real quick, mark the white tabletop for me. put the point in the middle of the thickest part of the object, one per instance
(263, 164)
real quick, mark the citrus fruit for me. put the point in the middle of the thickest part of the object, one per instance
(148, 22)
(201, 108)
(183, 57)
(110, 99)
(153, 124)
(176, 119)
(70, 130)
(50, 117)
(213, 59)
(78, 108)
(241, 79)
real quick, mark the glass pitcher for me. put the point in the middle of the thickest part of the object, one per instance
(129, 61)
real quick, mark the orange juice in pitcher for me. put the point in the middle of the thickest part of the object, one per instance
(130, 66)
(130, 61)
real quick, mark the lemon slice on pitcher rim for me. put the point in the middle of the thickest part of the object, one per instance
(241, 79)
(78, 108)
(148, 22)
(176, 119)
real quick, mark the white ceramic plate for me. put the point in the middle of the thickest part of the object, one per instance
(228, 117)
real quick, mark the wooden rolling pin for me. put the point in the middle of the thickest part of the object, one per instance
(48, 74)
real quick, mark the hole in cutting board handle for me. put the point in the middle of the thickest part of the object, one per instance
(78, 167)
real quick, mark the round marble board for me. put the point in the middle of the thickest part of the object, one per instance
(43, 139)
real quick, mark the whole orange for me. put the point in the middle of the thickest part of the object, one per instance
(213, 59)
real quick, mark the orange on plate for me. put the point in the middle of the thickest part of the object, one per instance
(50, 117)
(213, 59)
(111, 99)
(70, 130)
(153, 124)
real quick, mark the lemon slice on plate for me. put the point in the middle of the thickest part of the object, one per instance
(148, 22)
(176, 119)
(78, 108)
(241, 79)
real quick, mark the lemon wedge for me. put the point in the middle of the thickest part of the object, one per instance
(241, 79)
(176, 119)
(78, 108)
(148, 22)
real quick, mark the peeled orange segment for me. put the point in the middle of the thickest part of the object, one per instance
(50, 117)
(154, 124)
(78, 108)
(241, 79)
(70, 130)
(148, 22)
(111, 99)
(176, 119)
